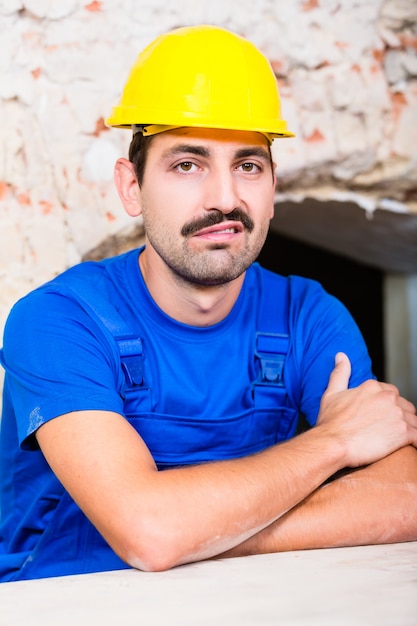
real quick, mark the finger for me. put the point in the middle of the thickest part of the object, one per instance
(402, 402)
(339, 378)
(406, 405)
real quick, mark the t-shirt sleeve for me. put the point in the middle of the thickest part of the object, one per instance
(57, 360)
(321, 326)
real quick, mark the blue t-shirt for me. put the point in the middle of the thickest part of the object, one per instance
(197, 401)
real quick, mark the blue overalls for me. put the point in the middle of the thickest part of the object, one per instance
(69, 543)
(187, 445)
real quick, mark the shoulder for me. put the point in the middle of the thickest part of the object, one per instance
(84, 280)
(98, 276)
(58, 355)
(316, 317)
(59, 308)
(302, 293)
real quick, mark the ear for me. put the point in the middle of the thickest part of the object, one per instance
(274, 185)
(128, 187)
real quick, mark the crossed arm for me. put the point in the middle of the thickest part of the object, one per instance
(374, 505)
(275, 500)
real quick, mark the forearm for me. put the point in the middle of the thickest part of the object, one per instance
(210, 508)
(157, 519)
(373, 505)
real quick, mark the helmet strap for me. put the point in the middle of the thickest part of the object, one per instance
(151, 129)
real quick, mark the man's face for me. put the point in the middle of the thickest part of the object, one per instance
(206, 201)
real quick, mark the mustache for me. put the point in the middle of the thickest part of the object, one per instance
(217, 217)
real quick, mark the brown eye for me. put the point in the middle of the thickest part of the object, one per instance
(186, 166)
(249, 167)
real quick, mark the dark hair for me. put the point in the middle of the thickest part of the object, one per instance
(138, 151)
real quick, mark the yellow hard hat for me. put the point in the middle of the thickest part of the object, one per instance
(201, 76)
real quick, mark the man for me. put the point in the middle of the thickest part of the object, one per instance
(151, 401)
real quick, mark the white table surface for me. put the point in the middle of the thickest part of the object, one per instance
(363, 586)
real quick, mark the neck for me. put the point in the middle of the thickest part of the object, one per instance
(186, 302)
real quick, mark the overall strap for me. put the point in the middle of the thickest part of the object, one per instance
(92, 300)
(272, 338)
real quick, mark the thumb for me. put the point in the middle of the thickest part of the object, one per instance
(339, 378)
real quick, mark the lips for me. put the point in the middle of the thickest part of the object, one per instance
(237, 220)
(229, 227)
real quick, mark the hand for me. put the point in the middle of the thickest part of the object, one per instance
(371, 420)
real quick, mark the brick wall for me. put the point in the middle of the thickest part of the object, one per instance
(348, 77)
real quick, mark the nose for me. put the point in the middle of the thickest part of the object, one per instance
(221, 191)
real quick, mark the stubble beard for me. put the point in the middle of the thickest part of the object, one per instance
(217, 263)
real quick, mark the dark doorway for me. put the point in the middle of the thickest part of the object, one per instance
(358, 286)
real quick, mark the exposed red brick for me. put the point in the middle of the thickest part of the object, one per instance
(94, 6)
(378, 55)
(45, 206)
(315, 136)
(4, 190)
(407, 41)
(100, 127)
(399, 101)
(24, 199)
(374, 69)
(282, 81)
(277, 67)
(308, 5)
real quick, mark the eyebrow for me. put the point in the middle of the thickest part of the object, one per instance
(242, 153)
(184, 148)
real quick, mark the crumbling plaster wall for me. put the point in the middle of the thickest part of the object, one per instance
(347, 71)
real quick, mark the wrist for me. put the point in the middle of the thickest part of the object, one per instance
(328, 446)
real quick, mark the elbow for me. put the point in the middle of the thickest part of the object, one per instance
(153, 550)
(150, 561)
